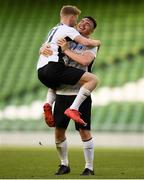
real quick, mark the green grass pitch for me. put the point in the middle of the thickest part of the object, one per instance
(42, 162)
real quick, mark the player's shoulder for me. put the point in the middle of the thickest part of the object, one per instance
(68, 28)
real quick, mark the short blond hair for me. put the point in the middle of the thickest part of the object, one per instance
(70, 10)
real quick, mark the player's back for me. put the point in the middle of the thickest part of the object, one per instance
(56, 33)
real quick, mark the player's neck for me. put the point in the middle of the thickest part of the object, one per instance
(65, 21)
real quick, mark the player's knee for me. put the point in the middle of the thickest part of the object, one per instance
(89, 78)
(59, 139)
(59, 135)
(94, 80)
(85, 134)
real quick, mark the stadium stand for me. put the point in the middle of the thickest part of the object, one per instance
(24, 26)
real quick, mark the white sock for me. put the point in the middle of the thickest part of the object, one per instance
(81, 96)
(88, 147)
(63, 153)
(51, 96)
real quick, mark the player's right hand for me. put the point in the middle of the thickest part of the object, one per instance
(63, 44)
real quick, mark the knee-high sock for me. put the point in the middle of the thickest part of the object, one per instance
(63, 152)
(51, 96)
(88, 147)
(81, 96)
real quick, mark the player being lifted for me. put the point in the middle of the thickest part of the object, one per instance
(53, 72)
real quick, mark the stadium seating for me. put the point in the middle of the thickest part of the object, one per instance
(126, 117)
(24, 27)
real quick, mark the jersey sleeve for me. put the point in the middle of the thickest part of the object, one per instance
(92, 50)
(72, 33)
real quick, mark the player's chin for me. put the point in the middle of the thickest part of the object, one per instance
(80, 30)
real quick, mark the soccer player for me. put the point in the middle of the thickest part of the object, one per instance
(66, 95)
(53, 72)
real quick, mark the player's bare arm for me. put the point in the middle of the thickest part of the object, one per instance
(85, 58)
(87, 42)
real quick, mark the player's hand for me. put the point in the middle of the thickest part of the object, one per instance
(46, 50)
(63, 44)
(99, 42)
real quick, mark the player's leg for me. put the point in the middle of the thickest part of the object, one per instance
(85, 133)
(49, 77)
(61, 145)
(88, 148)
(56, 73)
(61, 122)
(88, 81)
(51, 95)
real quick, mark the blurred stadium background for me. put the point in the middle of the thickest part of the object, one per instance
(118, 103)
